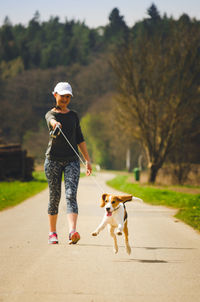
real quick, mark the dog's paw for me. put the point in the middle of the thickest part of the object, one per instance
(115, 250)
(94, 234)
(119, 233)
(128, 250)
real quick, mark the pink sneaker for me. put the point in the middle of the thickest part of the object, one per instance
(53, 239)
(74, 237)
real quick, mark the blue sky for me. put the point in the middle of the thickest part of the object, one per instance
(93, 12)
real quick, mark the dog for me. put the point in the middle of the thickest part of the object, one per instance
(115, 217)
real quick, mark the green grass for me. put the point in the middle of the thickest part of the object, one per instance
(188, 204)
(14, 192)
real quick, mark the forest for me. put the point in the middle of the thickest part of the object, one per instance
(136, 89)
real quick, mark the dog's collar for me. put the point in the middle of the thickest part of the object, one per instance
(116, 208)
(119, 207)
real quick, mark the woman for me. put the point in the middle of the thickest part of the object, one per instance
(61, 158)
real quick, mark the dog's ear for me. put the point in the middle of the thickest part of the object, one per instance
(103, 198)
(125, 198)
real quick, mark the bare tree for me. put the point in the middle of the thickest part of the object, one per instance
(158, 77)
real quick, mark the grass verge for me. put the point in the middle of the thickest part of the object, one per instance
(188, 204)
(14, 192)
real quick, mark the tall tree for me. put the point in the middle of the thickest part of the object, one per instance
(158, 78)
(153, 12)
(117, 30)
(8, 49)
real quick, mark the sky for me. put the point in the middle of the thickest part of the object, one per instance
(93, 12)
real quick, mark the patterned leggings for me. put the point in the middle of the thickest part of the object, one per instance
(53, 171)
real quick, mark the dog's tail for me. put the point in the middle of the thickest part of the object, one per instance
(127, 198)
(137, 199)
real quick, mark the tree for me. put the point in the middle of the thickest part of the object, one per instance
(117, 30)
(153, 12)
(184, 153)
(97, 139)
(8, 49)
(35, 142)
(158, 77)
(11, 68)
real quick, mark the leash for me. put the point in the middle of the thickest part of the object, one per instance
(55, 133)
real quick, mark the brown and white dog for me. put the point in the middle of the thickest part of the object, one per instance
(115, 217)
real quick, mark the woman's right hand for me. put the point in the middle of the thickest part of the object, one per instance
(54, 123)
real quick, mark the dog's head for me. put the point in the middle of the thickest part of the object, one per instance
(111, 202)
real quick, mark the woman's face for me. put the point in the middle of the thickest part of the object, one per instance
(62, 100)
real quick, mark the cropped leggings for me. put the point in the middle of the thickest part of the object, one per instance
(54, 171)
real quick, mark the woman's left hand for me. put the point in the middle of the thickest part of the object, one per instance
(88, 168)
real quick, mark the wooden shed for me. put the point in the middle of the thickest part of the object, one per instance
(14, 163)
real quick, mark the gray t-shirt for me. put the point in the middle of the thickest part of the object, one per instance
(58, 148)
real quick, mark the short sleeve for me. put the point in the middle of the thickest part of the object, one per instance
(49, 116)
(79, 134)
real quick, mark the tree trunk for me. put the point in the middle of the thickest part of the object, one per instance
(128, 160)
(153, 173)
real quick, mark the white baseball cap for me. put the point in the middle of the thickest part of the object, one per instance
(63, 88)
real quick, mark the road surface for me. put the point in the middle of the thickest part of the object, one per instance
(164, 265)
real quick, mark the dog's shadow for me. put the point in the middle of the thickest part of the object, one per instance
(140, 247)
(142, 260)
(148, 261)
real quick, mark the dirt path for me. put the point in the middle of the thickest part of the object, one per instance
(164, 264)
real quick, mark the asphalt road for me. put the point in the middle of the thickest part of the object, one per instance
(164, 264)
